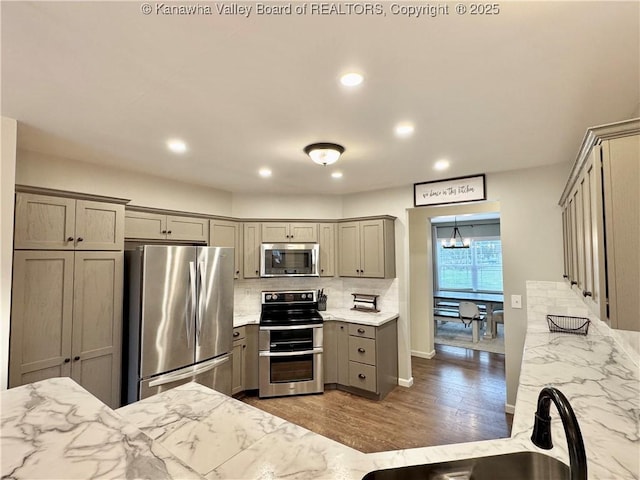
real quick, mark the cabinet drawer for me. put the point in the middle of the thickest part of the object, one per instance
(362, 350)
(363, 376)
(239, 333)
(362, 330)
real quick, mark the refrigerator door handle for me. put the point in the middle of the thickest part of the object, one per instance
(189, 372)
(200, 301)
(192, 313)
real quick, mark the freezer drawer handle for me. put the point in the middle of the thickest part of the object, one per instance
(174, 377)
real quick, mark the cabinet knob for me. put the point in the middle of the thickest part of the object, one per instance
(76, 358)
(361, 330)
(67, 360)
(362, 376)
(237, 272)
(257, 272)
(80, 239)
(236, 334)
(70, 239)
(361, 350)
(163, 231)
(586, 294)
(169, 232)
(573, 282)
(565, 276)
(341, 327)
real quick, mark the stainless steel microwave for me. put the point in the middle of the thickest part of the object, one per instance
(289, 260)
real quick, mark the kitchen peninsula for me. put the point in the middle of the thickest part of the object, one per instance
(56, 429)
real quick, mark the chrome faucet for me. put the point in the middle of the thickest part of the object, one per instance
(541, 436)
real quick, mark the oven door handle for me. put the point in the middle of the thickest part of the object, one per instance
(291, 327)
(315, 351)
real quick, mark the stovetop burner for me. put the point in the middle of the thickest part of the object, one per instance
(290, 307)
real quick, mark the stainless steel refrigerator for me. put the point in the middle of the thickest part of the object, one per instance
(180, 322)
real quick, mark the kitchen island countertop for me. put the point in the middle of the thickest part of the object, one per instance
(55, 429)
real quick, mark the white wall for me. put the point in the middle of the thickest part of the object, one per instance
(324, 207)
(9, 131)
(48, 171)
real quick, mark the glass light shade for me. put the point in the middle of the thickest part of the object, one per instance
(324, 153)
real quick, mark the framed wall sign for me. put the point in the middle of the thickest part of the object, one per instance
(451, 190)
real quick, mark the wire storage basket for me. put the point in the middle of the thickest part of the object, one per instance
(564, 324)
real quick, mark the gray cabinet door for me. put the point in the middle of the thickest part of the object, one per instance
(224, 233)
(97, 324)
(372, 249)
(44, 222)
(187, 228)
(327, 249)
(251, 244)
(99, 226)
(145, 225)
(349, 249)
(41, 316)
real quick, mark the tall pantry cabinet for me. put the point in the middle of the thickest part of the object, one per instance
(66, 314)
(601, 223)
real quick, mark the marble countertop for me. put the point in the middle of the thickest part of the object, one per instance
(342, 314)
(55, 428)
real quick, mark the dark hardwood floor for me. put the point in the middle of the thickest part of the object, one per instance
(458, 396)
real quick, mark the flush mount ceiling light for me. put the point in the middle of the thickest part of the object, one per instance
(456, 240)
(176, 146)
(324, 153)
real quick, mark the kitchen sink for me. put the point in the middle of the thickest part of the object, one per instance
(512, 466)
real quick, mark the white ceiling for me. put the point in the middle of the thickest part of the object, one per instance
(101, 82)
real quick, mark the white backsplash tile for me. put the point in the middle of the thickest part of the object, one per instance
(337, 289)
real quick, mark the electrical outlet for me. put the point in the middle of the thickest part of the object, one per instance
(516, 301)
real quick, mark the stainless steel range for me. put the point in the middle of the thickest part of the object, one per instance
(290, 344)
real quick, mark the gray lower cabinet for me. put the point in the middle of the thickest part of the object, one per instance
(244, 359)
(364, 358)
(66, 319)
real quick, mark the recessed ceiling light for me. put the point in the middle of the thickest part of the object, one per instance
(336, 174)
(404, 129)
(264, 172)
(177, 146)
(351, 79)
(441, 165)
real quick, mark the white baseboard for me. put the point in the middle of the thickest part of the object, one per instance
(509, 408)
(405, 382)
(427, 355)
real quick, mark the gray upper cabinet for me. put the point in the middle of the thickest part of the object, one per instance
(327, 233)
(44, 222)
(226, 233)
(251, 249)
(279, 232)
(157, 226)
(601, 223)
(366, 248)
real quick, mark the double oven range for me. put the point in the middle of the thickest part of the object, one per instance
(290, 344)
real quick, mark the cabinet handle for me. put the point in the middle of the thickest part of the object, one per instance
(586, 294)
(565, 276)
(76, 358)
(163, 231)
(70, 239)
(80, 239)
(361, 330)
(67, 360)
(573, 282)
(361, 350)
(236, 334)
(169, 232)
(362, 376)
(237, 272)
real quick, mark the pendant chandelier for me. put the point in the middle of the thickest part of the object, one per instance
(456, 240)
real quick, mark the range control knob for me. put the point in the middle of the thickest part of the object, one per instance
(268, 296)
(274, 296)
(303, 296)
